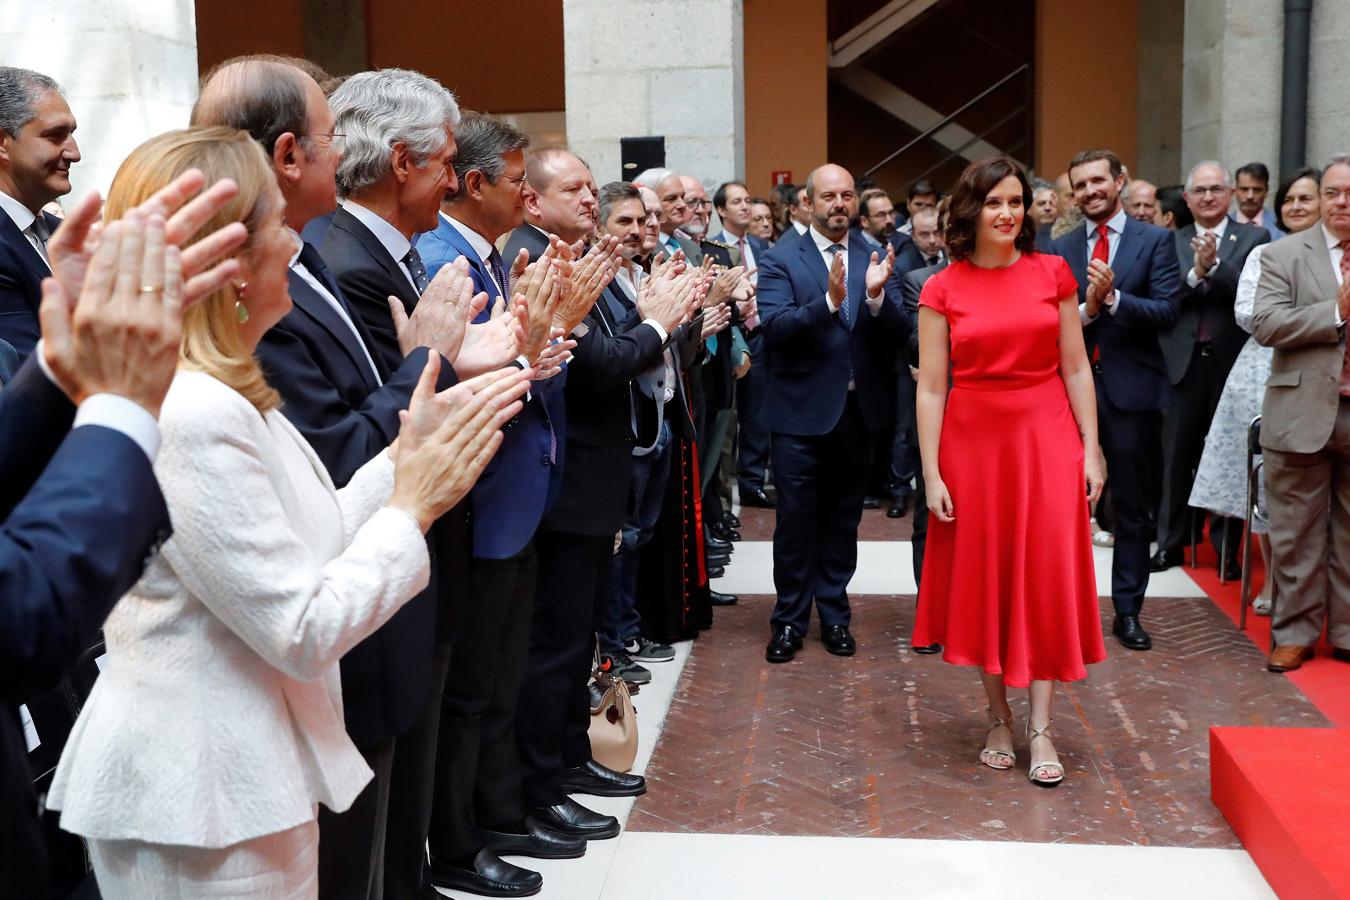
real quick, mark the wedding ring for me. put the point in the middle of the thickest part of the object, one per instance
(149, 289)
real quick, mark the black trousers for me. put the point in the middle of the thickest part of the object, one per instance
(554, 712)
(752, 450)
(351, 843)
(477, 767)
(919, 541)
(1184, 428)
(820, 479)
(1132, 443)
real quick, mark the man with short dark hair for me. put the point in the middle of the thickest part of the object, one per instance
(799, 211)
(37, 149)
(922, 195)
(876, 217)
(1253, 187)
(1172, 213)
(761, 219)
(1127, 288)
(478, 811)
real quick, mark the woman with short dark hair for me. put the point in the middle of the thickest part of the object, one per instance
(1011, 461)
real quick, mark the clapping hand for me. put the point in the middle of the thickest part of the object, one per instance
(1101, 281)
(590, 277)
(185, 207)
(838, 289)
(722, 285)
(120, 334)
(1206, 247)
(879, 270)
(442, 314)
(446, 439)
(495, 343)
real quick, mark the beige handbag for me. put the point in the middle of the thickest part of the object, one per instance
(613, 730)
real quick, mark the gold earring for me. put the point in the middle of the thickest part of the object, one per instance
(240, 310)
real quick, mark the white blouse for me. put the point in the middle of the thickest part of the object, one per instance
(218, 715)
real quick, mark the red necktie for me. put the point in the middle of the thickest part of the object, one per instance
(1101, 250)
(1345, 367)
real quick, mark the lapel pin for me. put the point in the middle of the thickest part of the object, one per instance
(1232, 237)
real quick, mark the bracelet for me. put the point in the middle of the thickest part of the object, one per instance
(407, 515)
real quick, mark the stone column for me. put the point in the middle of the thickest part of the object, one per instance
(637, 68)
(1232, 60)
(128, 69)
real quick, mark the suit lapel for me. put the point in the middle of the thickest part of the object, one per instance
(1319, 261)
(859, 255)
(316, 307)
(35, 268)
(398, 279)
(1127, 252)
(1075, 248)
(806, 246)
(450, 234)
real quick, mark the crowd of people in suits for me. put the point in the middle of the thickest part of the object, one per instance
(352, 435)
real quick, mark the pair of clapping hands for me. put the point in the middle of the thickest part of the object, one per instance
(550, 297)
(676, 293)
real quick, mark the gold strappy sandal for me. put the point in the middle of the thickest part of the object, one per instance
(998, 759)
(1041, 772)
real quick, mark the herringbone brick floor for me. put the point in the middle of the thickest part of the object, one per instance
(885, 743)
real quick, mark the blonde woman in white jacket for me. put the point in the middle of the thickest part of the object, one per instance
(216, 725)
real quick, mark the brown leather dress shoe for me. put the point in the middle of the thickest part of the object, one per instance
(1288, 657)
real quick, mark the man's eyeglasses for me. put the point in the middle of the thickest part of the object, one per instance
(1331, 195)
(1209, 190)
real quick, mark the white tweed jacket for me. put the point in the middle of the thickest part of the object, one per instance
(218, 715)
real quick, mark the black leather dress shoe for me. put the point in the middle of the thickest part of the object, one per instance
(899, 506)
(1164, 560)
(1233, 571)
(720, 599)
(871, 503)
(838, 641)
(716, 557)
(722, 532)
(927, 649)
(731, 520)
(716, 571)
(488, 874)
(784, 645)
(758, 499)
(714, 543)
(601, 781)
(537, 841)
(1131, 635)
(571, 818)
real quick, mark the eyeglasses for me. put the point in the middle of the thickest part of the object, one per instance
(1208, 190)
(1331, 195)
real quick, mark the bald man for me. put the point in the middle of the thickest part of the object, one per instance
(1141, 201)
(832, 332)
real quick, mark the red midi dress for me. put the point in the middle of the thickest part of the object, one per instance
(1009, 585)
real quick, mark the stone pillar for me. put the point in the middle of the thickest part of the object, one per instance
(1158, 112)
(637, 68)
(128, 69)
(1232, 59)
(1329, 69)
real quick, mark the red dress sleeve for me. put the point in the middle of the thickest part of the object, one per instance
(1065, 283)
(934, 295)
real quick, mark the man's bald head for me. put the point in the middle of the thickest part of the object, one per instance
(834, 204)
(277, 100)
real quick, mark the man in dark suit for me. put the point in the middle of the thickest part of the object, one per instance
(575, 544)
(81, 510)
(478, 809)
(832, 334)
(345, 396)
(1199, 350)
(1128, 281)
(37, 148)
(557, 201)
(732, 202)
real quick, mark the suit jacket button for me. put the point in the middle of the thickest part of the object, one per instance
(545, 460)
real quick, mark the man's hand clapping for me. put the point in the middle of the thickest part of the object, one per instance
(1101, 281)
(442, 315)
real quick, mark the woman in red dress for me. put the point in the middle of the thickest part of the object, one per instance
(1011, 461)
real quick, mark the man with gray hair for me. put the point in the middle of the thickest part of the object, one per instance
(37, 148)
(1199, 351)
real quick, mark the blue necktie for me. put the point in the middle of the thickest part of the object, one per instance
(847, 307)
(413, 261)
(499, 273)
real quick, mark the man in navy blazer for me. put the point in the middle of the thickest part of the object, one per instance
(82, 514)
(832, 332)
(478, 810)
(38, 131)
(1128, 282)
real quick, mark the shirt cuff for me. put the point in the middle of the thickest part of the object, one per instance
(42, 364)
(1193, 279)
(1336, 311)
(1113, 303)
(1083, 315)
(120, 414)
(665, 335)
(830, 303)
(874, 303)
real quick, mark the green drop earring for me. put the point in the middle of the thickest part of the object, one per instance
(240, 310)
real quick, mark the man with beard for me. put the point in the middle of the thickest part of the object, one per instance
(831, 388)
(1128, 281)
(877, 218)
(37, 148)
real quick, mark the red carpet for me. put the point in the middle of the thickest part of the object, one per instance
(1285, 791)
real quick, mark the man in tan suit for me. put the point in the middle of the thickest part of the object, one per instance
(1302, 304)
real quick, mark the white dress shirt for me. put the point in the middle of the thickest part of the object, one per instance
(1115, 227)
(389, 237)
(1193, 279)
(23, 217)
(798, 227)
(1336, 253)
(299, 268)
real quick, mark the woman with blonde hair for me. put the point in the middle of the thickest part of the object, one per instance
(216, 728)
